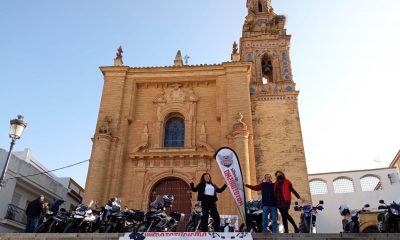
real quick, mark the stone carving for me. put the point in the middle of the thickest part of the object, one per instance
(144, 143)
(203, 139)
(178, 59)
(105, 127)
(235, 48)
(118, 60)
(240, 126)
(176, 94)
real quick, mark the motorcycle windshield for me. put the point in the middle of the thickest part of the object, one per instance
(81, 207)
(395, 206)
(56, 205)
(157, 203)
(307, 208)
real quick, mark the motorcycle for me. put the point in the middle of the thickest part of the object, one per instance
(389, 221)
(254, 216)
(116, 220)
(308, 216)
(350, 221)
(84, 220)
(156, 220)
(195, 219)
(54, 220)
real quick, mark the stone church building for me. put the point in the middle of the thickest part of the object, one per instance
(159, 127)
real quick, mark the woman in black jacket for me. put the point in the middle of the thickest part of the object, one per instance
(207, 195)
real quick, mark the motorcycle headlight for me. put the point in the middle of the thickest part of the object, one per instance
(394, 211)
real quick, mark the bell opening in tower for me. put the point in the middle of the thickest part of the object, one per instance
(260, 8)
(266, 68)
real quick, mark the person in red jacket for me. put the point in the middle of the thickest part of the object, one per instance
(283, 190)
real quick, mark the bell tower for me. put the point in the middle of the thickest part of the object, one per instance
(278, 142)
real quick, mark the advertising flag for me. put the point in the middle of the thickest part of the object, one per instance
(229, 165)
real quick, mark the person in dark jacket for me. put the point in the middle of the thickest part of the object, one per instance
(207, 195)
(33, 212)
(268, 203)
(283, 189)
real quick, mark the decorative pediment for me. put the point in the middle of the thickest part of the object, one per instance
(175, 94)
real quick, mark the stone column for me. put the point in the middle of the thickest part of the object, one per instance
(240, 137)
(95, 182)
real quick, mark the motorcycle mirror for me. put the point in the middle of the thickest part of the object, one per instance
(296, 203)
(321, 202)
(366, 206)
(382, 207)
(381, 201)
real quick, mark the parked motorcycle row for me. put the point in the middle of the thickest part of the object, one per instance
(111, 218)
(388, 219)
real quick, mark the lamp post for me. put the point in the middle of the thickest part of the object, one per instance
(17, 127)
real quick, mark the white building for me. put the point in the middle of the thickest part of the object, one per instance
(25, 182)
(353, 188)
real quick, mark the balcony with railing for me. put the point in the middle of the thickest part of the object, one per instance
(16, 214)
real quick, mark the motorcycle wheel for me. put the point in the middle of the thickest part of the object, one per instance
(42, 228)
(143, 228)
(190, 227)
(353, 228)
(108, 228)
(70, 228)
(370, 229)
(304, 227)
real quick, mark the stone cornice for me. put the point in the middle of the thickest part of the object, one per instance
(164, 153)
(275, 96)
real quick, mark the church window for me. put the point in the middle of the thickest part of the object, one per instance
(343, 185)
(318, 186)
(266, 68)
(370, 183)
(174, 134)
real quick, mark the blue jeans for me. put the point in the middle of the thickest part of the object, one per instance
(31, 224)
(265, 219)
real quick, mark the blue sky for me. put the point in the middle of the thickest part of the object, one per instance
(344, 59)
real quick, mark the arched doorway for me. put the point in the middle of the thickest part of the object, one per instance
(182, 197)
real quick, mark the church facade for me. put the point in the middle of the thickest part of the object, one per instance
(159, 127)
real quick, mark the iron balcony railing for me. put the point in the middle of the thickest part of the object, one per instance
(16, 213)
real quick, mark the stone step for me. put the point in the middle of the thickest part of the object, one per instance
(115, 236)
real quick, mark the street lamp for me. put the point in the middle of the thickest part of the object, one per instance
(17, 127)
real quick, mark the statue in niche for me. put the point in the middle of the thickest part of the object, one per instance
(105, 127)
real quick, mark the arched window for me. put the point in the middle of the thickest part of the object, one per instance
(343, 185)
(174, 134)
(370, 183)
(318, 186)
(266, 68)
